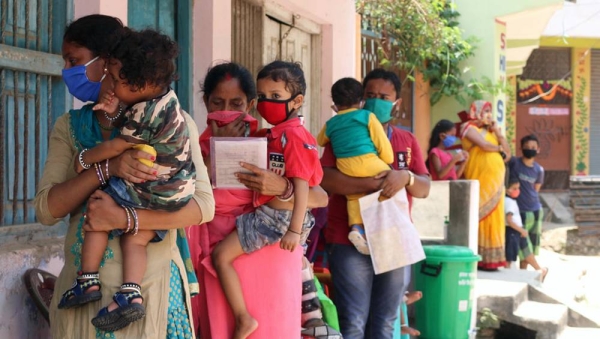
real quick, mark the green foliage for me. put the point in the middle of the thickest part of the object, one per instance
(423, 35)
(510, 121)
(487, 319)
(581, 129)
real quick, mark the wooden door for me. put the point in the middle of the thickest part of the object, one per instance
(32, 97)
(552, 125)
(291, 44)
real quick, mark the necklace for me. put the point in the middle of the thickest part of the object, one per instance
(112, 119)
(106, 128)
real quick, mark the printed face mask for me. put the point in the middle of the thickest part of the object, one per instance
(529, 153)
(449, 141)
(514, 193)
(381, 108)
(274, 111)
(78, 83)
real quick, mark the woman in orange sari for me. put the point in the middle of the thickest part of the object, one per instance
(488, 150)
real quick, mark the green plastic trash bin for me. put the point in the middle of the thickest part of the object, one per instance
(446, 277)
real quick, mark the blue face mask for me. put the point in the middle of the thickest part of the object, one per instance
(449, 141)
(381, 108)
(79, 85)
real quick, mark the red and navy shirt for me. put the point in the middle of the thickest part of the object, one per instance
(292, 152)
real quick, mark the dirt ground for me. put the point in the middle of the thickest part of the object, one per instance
(575, 278)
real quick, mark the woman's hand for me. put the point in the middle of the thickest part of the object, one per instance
(103, 214)
(236, 128)
(127, 166)
(393, 182)
(262, 181)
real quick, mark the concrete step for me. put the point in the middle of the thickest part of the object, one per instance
(548, 320)
(580, 333)
(501, 297)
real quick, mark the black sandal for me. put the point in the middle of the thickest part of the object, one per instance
(125, 313)
(77, 295)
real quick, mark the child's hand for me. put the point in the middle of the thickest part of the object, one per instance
(524, 233)
(108, 103)
(289, 241)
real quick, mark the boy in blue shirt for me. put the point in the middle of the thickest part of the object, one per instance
(531, 176)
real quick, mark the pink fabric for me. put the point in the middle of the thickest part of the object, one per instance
(445, 158)
(222, 118)
(270, 278)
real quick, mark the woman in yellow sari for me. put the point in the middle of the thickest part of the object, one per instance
(488, 150)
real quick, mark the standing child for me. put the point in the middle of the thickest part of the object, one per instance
(531, 176)
(445, 164)
(360, 144)
(517, 238)
(142, 68)
(292, 153)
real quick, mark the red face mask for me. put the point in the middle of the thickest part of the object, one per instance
(514, 193)
(274, 111)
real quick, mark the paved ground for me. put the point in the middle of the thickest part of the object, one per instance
(575, 278)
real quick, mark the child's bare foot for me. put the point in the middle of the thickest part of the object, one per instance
(410, 331)
(412, 297)
(543, 273)
(244, 326)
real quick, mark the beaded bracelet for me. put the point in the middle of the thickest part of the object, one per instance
(136, 224)
(83, 164)
(288, 194)
(100, 175)
(106, 167)
(128, 220)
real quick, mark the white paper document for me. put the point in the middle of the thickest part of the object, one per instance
(226, 155)
(392, 237)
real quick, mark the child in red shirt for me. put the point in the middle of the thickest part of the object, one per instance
(292, 153)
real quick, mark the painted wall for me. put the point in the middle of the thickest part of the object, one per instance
(478, 19)
(338, 25)
(581, 63)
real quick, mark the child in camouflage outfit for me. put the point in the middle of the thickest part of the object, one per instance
(142, 67)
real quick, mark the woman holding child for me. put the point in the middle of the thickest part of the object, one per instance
(269, 277)
(62, 192)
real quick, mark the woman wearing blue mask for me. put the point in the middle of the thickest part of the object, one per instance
(62, 192)
(443, 163)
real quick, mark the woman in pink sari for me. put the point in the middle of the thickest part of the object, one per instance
(270, 277)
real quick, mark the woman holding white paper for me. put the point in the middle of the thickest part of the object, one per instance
(229, 95)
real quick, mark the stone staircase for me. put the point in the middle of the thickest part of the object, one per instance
(511, 302)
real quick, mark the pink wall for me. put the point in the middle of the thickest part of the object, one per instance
(117, 8)
(337, 19)
(212, 38)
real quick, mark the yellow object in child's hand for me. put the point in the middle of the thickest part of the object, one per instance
(148, 149)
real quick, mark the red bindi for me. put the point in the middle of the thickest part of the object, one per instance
(228, 77)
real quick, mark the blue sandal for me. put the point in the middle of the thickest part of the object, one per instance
(77, 296)
(125, 313)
